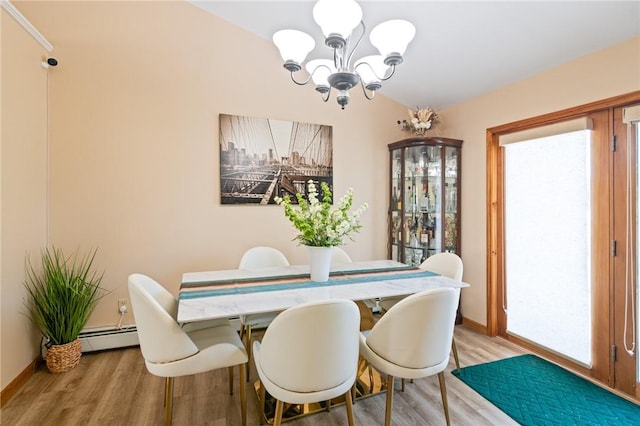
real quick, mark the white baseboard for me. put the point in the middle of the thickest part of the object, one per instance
(102, 338)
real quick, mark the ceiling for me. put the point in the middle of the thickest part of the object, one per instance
(462, 49)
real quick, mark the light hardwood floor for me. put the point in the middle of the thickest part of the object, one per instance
(114, 388)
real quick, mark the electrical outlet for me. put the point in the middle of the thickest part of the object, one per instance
(123, 305)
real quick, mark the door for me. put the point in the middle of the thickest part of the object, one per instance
(562, 250)
(625, 265)
(607, 259)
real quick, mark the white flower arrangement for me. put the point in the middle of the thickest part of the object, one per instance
(318, 223)
(420, 120)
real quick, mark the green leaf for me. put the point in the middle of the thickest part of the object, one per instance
(320, 225)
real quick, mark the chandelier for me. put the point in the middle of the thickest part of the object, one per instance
(337, 20)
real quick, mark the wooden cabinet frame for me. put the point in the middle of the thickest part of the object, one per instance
(402, 146)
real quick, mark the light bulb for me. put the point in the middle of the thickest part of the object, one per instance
(337, 16)
(294, 45)
(391, 38)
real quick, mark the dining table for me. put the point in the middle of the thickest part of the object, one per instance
(231, 293)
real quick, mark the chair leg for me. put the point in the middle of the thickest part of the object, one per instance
(248, 347)
(349, 403)
(402, 385)
(455, 354)
(230, 380)
(443, 392)
(277, 418)
(243, 395)
(387, 413)
(263, 396)
(168, 400)
(328, 403)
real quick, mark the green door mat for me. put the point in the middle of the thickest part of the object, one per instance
(533, 391)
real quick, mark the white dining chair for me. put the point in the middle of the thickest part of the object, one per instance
(170, 351)
(446, 264)
(257, 258)
(339, 256)
(412, 340)
(309, 353)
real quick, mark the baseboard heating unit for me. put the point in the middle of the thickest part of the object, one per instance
(102, 338)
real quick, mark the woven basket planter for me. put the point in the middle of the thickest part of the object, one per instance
(61, 358)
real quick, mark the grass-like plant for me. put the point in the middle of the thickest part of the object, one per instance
(62, 294)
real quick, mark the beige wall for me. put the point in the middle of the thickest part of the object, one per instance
(607, 73)
(134, 140)
(23, 176)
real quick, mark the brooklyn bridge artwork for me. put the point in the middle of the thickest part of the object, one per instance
(262, 158)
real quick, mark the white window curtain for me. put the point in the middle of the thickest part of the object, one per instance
(583, 123)
(631, 114)
(547, 237)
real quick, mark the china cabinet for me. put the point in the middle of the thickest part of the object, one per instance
(424, 199)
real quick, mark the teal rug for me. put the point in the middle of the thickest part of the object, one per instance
(533, 391)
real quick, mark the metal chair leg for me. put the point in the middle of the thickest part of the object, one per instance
(168, 400)
(263, 396)
(230, 369)
(248, 347)
(387, 413)
(455, 354)
(277, 418)
(349, 404)
(243, 395)
(443, 392)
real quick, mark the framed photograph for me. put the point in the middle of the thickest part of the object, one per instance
(261, 158)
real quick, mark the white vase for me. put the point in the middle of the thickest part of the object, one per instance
(320, 263)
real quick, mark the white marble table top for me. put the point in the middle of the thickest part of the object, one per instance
(231, 305)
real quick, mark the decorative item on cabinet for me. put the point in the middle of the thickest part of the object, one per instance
(424, 207)
(420, 121)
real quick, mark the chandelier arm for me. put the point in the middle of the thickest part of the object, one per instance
(364, 90)
(357, 43)
(300, 83)
(393, 70)
(383, 78)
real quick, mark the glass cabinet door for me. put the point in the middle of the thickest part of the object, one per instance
(424, 199)
(396, 205)
(451, 205)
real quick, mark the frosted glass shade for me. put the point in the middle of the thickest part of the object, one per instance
(321, 75)
(294, 45)
(392, 36)
(375, 71)
(337, 16)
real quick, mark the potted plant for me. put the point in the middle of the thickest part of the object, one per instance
(61, 297)
(321, 227)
